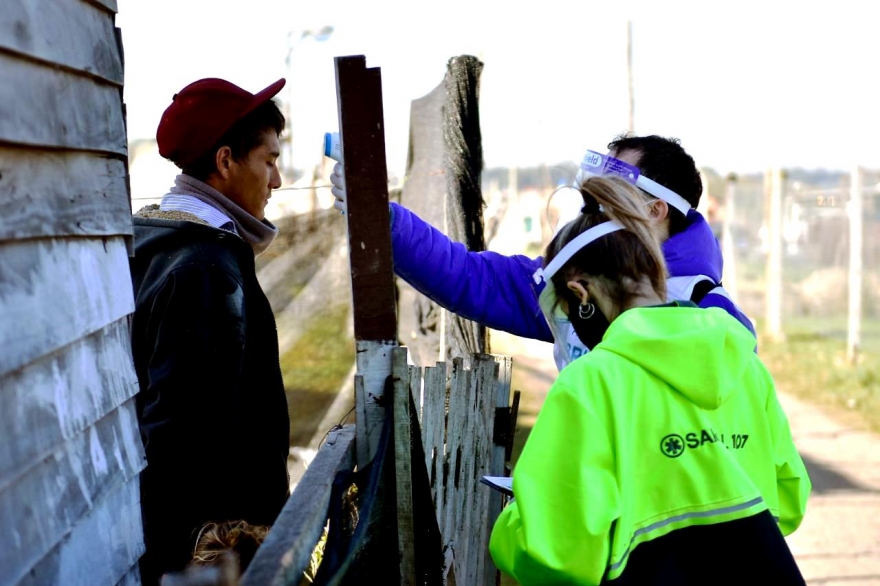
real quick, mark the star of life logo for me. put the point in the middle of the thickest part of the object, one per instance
(674, 445)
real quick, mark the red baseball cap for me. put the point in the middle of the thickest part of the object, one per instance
(201, 113)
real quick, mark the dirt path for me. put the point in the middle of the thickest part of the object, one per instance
(839, 540)
(838, 543)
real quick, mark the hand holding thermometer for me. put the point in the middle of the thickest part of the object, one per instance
(333, 150)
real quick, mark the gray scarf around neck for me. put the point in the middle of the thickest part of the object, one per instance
(258, 233)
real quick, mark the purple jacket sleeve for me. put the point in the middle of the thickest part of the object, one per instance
(494, 290)
(721, 300)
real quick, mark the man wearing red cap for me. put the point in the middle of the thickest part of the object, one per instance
(212, 409)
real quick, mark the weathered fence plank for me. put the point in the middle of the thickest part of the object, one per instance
(415, 389)
(41, 106)
(59, 396)
(463, 531)
(403, 467)
(497, 457)
(103, 547)
(62, 194)
(434, 419)
(485, 418)
(55, 292)
(458, 397)
(374, 367)
(73, 34)
(43, 506)
(285, 554)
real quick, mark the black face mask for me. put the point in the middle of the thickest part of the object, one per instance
(590, 330)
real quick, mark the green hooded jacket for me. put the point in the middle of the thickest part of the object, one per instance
(671, 421)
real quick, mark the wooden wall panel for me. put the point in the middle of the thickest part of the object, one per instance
(103, 548)
(61, 395)
(41, 508)
(62, 194)
(73, 34)
(55, 292)
(48, 107)
(70, 447)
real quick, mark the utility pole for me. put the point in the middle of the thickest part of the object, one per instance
(703, 207)
(629, 72)
(773, 288)
(854, 210)
(728, 244)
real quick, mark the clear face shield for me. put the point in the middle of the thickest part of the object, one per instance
(596, 164)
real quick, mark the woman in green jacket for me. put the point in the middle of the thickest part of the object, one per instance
(662, 456)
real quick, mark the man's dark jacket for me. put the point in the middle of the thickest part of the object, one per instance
(212, 409)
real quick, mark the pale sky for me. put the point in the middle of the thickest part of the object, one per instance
(744, 84)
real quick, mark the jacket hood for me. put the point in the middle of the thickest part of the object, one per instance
(701, 353)
(695, 251)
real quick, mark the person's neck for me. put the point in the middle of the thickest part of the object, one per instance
(644, 296)
(645, 301)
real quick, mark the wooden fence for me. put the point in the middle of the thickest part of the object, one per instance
(462, 414)
(461, 446)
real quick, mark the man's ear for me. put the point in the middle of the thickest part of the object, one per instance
(659, 210)
(223, 160)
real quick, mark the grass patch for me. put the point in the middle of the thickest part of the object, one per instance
(314, 369)
(814, 367)
(320, 359)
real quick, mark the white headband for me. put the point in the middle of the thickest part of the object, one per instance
(664, 193)
(572, 248)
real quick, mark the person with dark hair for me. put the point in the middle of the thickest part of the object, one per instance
(499, 292)
(663, 455)
(212, 409)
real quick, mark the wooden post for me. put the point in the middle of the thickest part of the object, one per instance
(728, 244)
(512, 187)
(854, 209)
(362, 135)
(629, 74)
(773, 288)
(443, 188)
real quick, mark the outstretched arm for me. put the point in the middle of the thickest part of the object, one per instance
(490, 288)
(494, 290)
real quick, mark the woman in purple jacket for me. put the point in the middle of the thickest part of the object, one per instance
(500, 291)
